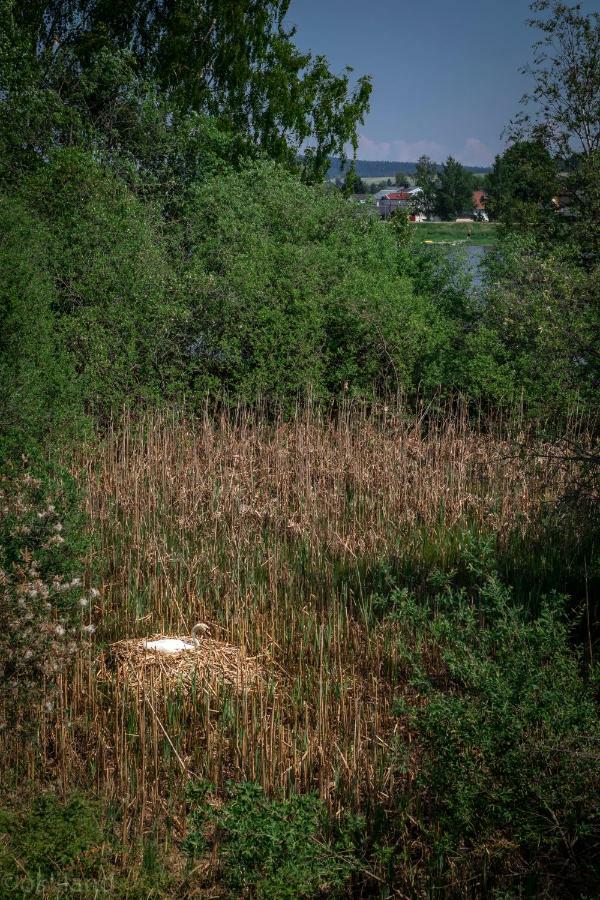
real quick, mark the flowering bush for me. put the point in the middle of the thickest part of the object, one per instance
(43, 603)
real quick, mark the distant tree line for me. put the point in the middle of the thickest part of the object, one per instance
(382, 169)
(447, 189)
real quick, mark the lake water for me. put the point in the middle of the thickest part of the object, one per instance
(470, 257)
(474, 255)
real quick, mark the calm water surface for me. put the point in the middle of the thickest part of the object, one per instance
(470, 256)
(474, 255)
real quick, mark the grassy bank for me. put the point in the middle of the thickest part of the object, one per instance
(480, 233)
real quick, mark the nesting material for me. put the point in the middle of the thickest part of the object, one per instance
(205, 666)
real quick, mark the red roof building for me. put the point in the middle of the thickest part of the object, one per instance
(399, 195)
(389, 200)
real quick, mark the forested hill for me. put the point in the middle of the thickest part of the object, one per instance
(383, 168)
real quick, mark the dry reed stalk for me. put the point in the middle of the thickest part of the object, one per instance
(270, 530)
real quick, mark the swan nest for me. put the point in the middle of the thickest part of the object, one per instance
(200, 668)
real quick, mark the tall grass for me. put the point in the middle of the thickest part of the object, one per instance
(284, 534)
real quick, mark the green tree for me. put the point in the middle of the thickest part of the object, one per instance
(402, 179)
(353, 184)
(426, 177)
(288, 286)
(563, 112)
(454, 193)
(522, 184)
(50, 101)
(236, 62)
(565, 99)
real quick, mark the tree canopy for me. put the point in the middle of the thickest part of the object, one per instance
(453, 196)
(563, 107)
(427, 179)
(235, 62)
(522, 184)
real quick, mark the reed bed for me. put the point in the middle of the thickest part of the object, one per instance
(278, 532)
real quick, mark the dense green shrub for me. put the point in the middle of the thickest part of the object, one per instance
(292, 287)
(50, 836)
(115, 303)
(540, 325)
(66, 848)
(271, 849)
(264, 286)
(507, 734)
(38, 390)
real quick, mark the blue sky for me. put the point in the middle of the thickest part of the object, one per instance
(445, 73)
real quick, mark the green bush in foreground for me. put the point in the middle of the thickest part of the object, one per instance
(53, 837)
(267, 848)
(508, 736)
(57, 848)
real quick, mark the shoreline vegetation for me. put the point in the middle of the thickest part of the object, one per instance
(481, 234)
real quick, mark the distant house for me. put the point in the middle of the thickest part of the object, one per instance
(389, 200)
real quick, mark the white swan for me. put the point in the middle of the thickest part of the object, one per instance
(177, 645)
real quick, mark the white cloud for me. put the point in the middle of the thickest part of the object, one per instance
(404, 151)
(473, 152)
